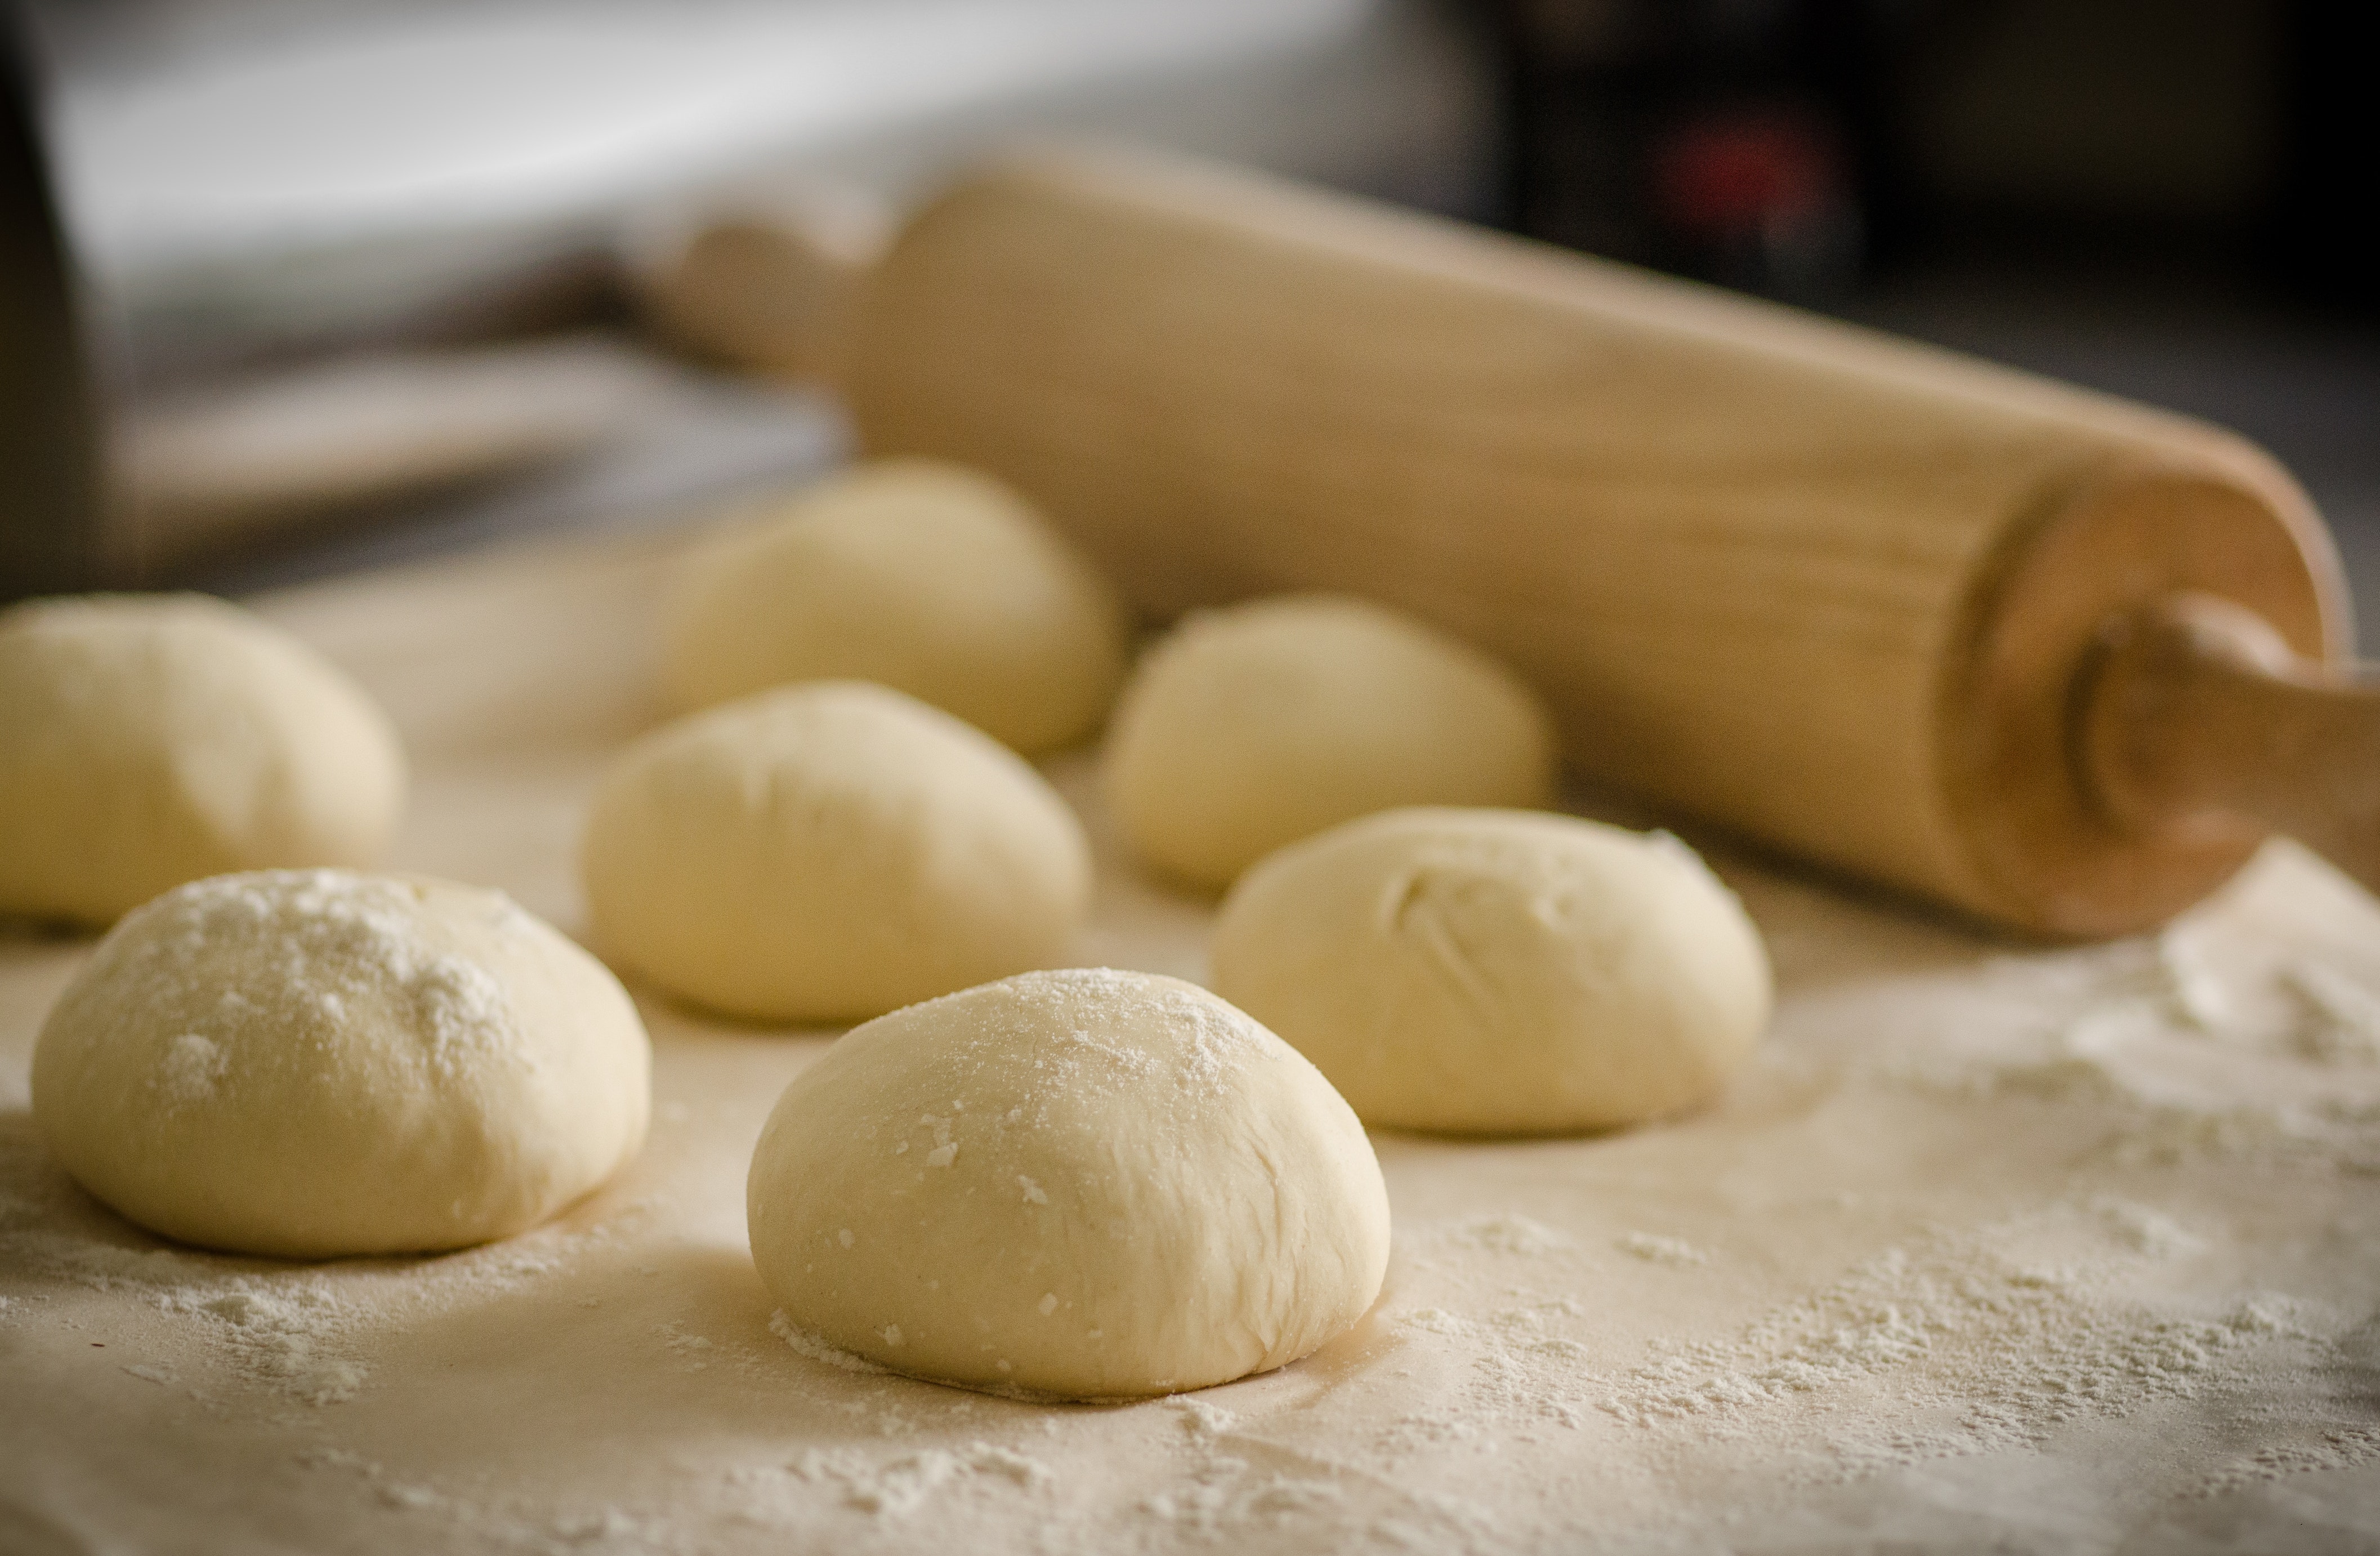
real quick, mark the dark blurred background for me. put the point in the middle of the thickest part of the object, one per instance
(2162, 198)
(352, 281)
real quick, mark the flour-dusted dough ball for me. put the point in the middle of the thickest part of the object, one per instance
(1498, 972)
(314, 1063)
(150, 740)
(1086, 1184)
(928, 578)
(829, 852)
(1254, 727)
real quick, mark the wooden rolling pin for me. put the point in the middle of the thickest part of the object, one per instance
(2056, 660)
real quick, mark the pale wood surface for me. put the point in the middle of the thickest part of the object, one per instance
(2035, 829)
(2202, 721)
(771, 288)
(1773, 571)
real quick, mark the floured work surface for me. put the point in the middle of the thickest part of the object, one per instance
(2064, 1249)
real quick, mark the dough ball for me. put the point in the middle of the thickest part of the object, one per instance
(1254, 727)
(314, 1063)
(1498, 972)
(1084, 1184)
(828, 852)
(928, 578)
(150, 740)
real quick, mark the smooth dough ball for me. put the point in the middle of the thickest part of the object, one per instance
(1083, 1184)
(314, 1063)
(830, 852)
(1252, 727)
(150, 740)
(1498, 972)
(925, 577)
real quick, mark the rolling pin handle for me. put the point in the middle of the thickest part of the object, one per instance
(769, 287)
(2195, 718)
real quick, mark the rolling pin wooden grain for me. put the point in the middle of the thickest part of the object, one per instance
(2053, 659)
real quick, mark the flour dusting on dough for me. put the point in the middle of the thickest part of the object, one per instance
(192, 1065)
(327, 943)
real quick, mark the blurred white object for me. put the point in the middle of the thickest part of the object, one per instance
(243, 170)
(206, 470)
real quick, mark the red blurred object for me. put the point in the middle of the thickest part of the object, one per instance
(1735, 174)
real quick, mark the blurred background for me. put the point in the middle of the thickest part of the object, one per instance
(290, 287)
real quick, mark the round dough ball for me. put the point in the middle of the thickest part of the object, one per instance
(1083, 1184)
(830, 852)
(315, 1063)
(928, 578)
(1498, 972)
(1252, 727)
(150, 740)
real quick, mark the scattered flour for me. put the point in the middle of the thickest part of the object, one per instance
(945, 1149)
(898, 1487)
(2189, 989)
(1241, 1485)
(1224, 1496)
(2340, 1448)
(2340, 1022)
(1203, 1419)
(1655, 1249)
(1508, 1232)
(2123, 1032)
(681, 1342)
(2147, 1231)
(287, 1333)
(192, 1066)
(2318, 1133)
(290, 1328)
(1959, 1344)
(806, 1343)
(601, 1524)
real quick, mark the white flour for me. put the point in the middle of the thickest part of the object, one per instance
(897, 1488)
(1508, 1232)
(2094, 1222)
(290, 952)
(290, 1328)
(1654, 1248)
